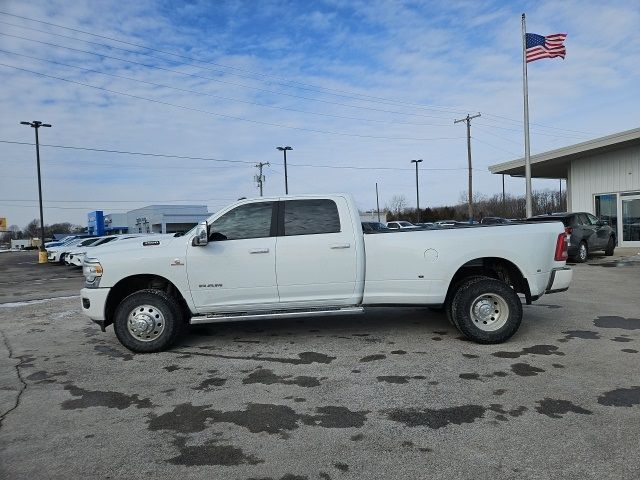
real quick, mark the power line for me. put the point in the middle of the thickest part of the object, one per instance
(184, 157)
(194, 75)
(117, 201)
(360, 119)
(289, 83)
(354, 95)
(232, 117)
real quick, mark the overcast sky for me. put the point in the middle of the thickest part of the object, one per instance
(367, 84)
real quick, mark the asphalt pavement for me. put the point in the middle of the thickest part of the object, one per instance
(393, 394)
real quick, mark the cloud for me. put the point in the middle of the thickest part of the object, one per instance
(366, 69)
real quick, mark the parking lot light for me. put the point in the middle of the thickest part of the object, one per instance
(36, 124)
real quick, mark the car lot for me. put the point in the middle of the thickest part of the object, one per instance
(392, 394)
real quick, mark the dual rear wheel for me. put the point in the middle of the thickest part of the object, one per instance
(485, 310)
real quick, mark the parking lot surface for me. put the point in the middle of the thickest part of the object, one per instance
(393, 394)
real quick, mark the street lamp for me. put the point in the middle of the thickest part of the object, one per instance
(42, 256)
(417, 190)
(286, 182)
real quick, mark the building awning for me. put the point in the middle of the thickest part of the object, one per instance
(555, 163)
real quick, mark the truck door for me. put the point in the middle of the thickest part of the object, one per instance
(316, 252)
(237, 266)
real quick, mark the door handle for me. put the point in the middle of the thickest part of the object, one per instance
(259, 250)
(336, 246)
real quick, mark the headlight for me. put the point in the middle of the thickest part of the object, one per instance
(92, 271)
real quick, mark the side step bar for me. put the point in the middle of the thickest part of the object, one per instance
(200, 319)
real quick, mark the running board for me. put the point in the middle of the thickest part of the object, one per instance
(200, 319)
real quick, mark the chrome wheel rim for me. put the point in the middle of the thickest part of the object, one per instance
(489, 312)
(583, 251)
(145, 323)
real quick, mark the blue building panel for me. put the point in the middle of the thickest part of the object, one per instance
(95, 223)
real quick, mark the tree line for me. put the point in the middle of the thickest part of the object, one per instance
(511, 206)
(32, 230)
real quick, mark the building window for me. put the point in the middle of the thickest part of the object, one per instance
(607, 210)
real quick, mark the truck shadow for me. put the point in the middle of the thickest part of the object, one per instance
(375, 326)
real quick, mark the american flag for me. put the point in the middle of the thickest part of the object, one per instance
(545, 47)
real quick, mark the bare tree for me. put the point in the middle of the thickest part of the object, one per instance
(32, 229)
(397, 205)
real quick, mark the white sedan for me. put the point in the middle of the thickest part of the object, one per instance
(57, 254)
(401, 225)
(77, 257)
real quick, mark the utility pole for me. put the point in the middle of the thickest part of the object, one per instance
(560, 199)
(504, 201)
(377, 202)
(417, 189)
(36, 124)
(260, 177)
(286, 182)
(468, 120)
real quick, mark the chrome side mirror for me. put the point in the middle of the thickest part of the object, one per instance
(202, 235)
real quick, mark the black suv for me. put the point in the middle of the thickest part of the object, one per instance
(585, 233)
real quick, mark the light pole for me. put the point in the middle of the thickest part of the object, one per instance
(42, 256)
(286, 181)
(417, 189)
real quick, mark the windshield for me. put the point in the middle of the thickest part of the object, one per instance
(406, 224)
(86, 242)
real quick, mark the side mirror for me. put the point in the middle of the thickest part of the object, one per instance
(202, 235)
(602, 223)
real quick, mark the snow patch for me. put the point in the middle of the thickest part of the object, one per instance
(34, 302)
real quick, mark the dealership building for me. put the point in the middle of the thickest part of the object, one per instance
(150, 219)
(602, 176)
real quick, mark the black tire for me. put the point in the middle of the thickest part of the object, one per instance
(449, 300)
(61, 261)
(160, 308)
(583, 253)
(611, 245)
(482, 293)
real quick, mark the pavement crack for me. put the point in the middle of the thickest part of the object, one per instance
(23, 384)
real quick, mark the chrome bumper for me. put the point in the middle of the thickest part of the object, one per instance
(559, 280)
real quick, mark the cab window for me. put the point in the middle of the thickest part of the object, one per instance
(252, 220)
(310, 217)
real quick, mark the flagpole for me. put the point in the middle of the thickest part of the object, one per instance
(525, 89)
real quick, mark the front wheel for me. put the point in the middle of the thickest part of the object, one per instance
(148, 321)
(486, 310)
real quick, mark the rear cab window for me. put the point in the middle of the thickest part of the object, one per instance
(310, 217)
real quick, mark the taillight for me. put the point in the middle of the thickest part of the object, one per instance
(568, 230)
(561, 248)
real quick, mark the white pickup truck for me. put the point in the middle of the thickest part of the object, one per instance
(303, 256)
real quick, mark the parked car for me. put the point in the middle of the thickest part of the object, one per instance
(305, 256)
(425, 225)
(585, 232)
(58, 254)
(401, 225)
(66, 239)
(448, 223)
(374, 227)
(494, 221)
(76, 257)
